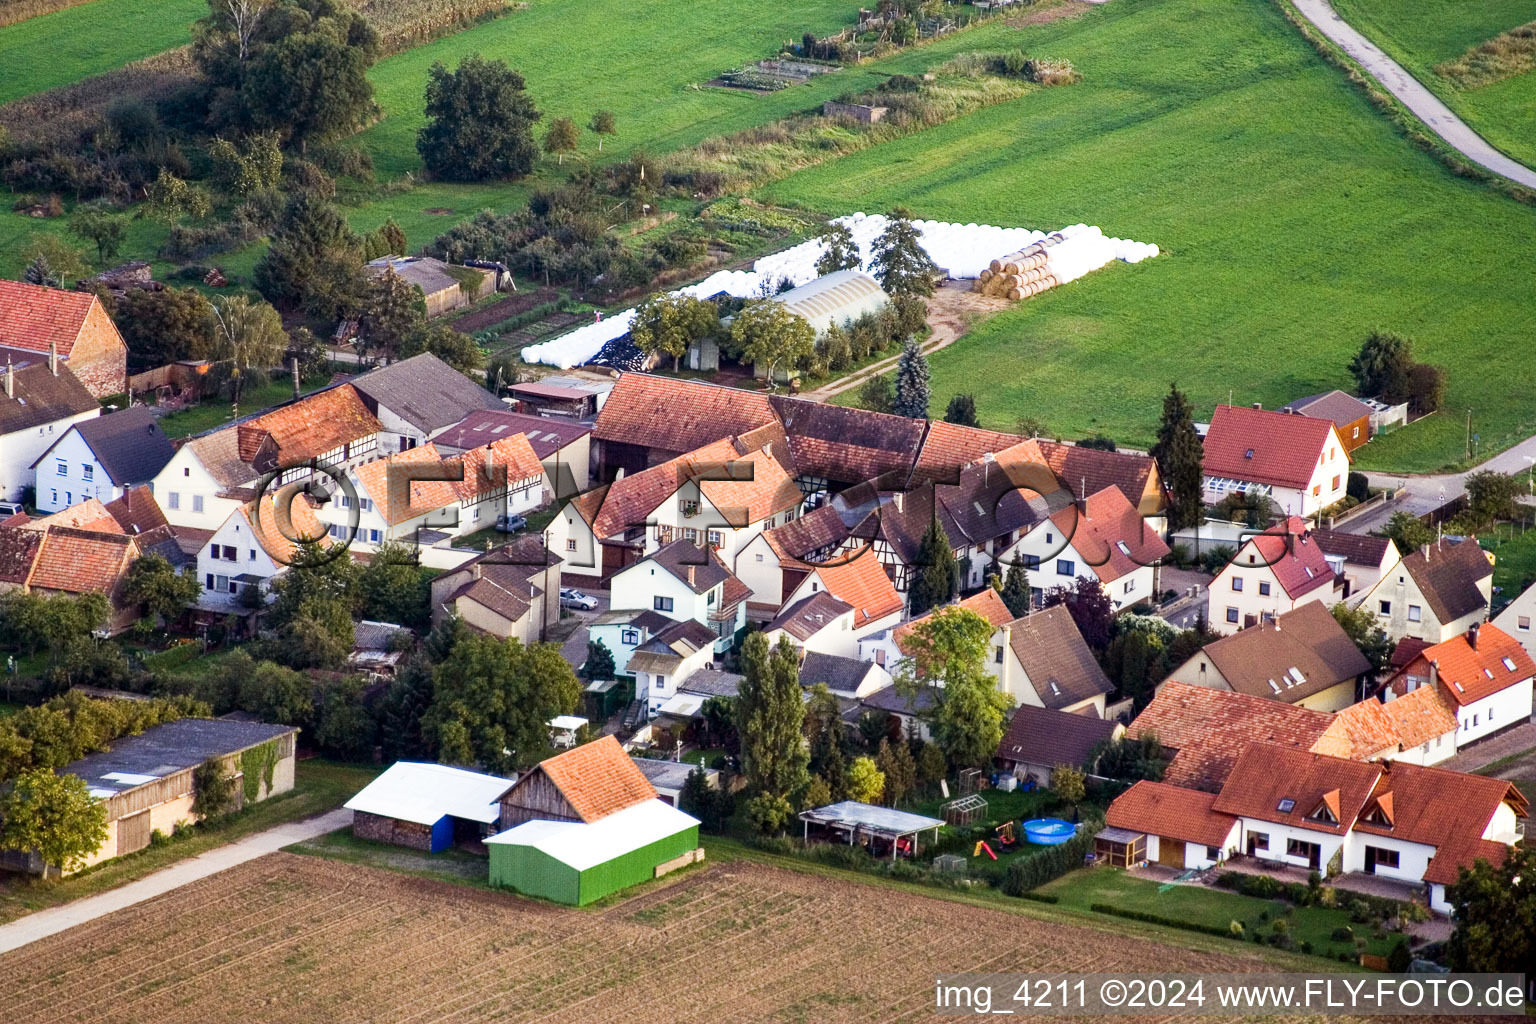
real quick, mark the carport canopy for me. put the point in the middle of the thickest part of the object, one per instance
(857, 819)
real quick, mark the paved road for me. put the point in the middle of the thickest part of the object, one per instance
(1427, 493)
(1424, 104)
(44, 923)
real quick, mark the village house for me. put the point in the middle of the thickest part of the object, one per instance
(562, 447)
(1516, 617)
(820, 623)
(832, 447)
(1296, 461)
(775, 562)
(101, 457)
(684, 581)
(141, 518)
(663, 663)
(512, 592)
(238, 562)
(850, 678)
(559, 397)
(146, 781)
(331, 428)
(1351, 418)
(205, 481)
(1103, 538)
(1484, 672)
(887, 647)
(1360, 559)
(1087, 471)
(49, 326)
(1038, 739)
(1434, 593)
(1050, 665)
(1302, 657)
(37, 408)
(417, 399)
(648, 420)
(857, 579)
(670, 777)
(623, 631)
(1175, 827)
(80, 550)
(1272, 573)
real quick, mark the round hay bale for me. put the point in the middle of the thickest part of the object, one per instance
(984, 276)
(1015, 294)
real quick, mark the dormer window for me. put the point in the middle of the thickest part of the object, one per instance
(1327, 810)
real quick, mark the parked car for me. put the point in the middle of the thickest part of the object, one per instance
(510, 524)
(572, 598)
(8, 509)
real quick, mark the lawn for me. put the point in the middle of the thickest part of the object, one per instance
(1514, 567)
(1426, 33)
(1081, 889)
(63, 47)
(319, 786)
(216, 412)
(1293, 220)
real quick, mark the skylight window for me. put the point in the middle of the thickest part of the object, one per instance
(1124, 548)
(1459, 687)
(1488, 672)
(1297, 676)
(1286, 806)
(1274, 686)
(1509, 664)
(1248, 454)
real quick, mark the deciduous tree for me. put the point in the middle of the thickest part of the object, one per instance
(562, 137)
(480, 122)
(154, 583)
(1090, 607)
(877, 394)
(603, 123)
(962, 410)
(669, 324)
(769, 336)
(1361, 626)
(865, 781)
(165, 326)
(770, 718)
(393, 587)
(104, 230)
(455, 348)
(169, 199)
(948, 658)
(1495, 913)
(53, 815)
(250, 337)
(839, 250)
(899, 260)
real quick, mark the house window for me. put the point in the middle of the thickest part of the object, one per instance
(186, 471)
(87, 472)
(1031, 561)
(629, 636)
(880, 656)
(716, 538)
(1382, 857)
(1523, 623)
(1237, 584)
(1212, 853)
(1130, 585)
(661, 682)
(346, 502)
(690, 508)
(1263, 588)
(1301, 848)
(997, 655)
(221, 583)
(759, 557)
(1474, 721)
(710, 600)
(1385, 606)
(373, 536)
(366, 504)
(1258, 840)
(1065, 567)
(1335, 483)
(1049, 539)
(661, 604)
(1231, 614)
(61, 467)
(197, 503)
(570, 545)
(173, 499)
(691, 534)
(1356, 434)
(208, 582)
(55, 499)
(1414, 613)
(1317, 489)
(69, 497)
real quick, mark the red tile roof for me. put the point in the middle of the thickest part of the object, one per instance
(309, 427)
(33, 317)
(849, 445)
(18, 550)
(948, 446)
(1444, 867)
(82, 561)
(631, 500)
(273, 526)
(89, 514)
(677, 415)
(396, 496)
(818, 529)
(1434, 806)
(495, 467)
(1299, 564)
(1286, 786)
(598, 778)
(1274, 448)
(858, 578)
(1110, 535)
(988, 604)
(1090, 470)
(1469, 674)
(1159, 809)
(759, 487)
(1369, 728)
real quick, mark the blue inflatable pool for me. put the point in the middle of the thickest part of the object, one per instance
(1049, 831)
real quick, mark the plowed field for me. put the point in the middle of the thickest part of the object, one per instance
(290, 938)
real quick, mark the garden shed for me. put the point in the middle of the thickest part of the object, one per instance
(576, 862)
(427, 806)
(1119, 847)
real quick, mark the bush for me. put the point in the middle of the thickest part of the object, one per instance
(1033, 871)
(1343, 933)
(1360, 911)
(1170, 922)
(1358, 487)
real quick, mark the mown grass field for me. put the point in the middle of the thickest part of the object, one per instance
(1293, 220)
(63, 47)
(1426, 33)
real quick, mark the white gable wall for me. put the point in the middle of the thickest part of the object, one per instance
(20, 448)
(188, 494)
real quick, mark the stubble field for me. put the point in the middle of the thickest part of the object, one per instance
(290, 938)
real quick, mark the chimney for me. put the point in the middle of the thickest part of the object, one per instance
(1472, 636)
(1259, 406)
(898, 502)
(10, 378)
(296, 391)
(53, 356)
(1434, 672)
(691, 569)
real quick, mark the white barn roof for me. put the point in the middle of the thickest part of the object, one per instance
(423, 793)
(839, 296)
(581, 845)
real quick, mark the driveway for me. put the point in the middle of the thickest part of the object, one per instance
(48, 922)
(1424, 104)
(571, 631)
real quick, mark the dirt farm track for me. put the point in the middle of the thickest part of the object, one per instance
(292, 938)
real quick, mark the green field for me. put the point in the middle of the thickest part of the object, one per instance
(77, 42)
(1293, 220)
(1426, 33)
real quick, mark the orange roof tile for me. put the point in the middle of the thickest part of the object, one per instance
(1470, 674)
(948, 446)
(397, 496)
(496, 466)
(33, 317)
(988, 604)
(1368, 727)
(1275, 448)
(1287, 786)
(309, 427)
(1444, 868)
(759, 488)
(598, 778)
(89, 514)
(1110, 535)
(1160, 809)
(82, 561)
(1434, 805)
(631, 500)
(1418, 716)
(278, 529)
(858, 578)
(677, 415)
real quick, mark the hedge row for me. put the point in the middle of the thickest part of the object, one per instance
(1189, 926)
(1036, 869)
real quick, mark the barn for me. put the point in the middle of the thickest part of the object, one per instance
(427, 806)
(586, 823)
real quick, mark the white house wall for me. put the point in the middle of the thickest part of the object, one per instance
(1494, 712)
(1280, 836)
(1519, 618)
(20, 448)
(188, 494)
(57, 491)
(250, 558)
